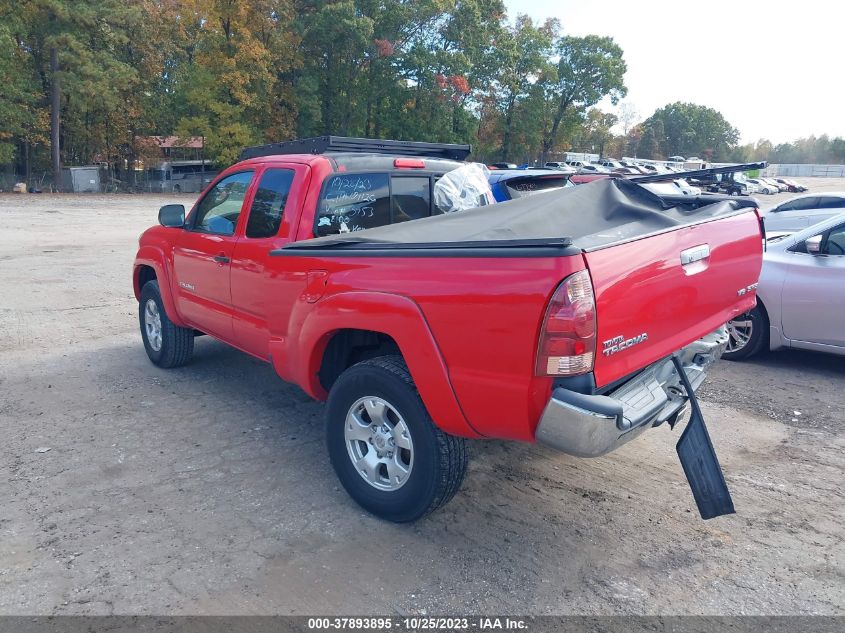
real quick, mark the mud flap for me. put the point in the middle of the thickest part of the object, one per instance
(699, 461)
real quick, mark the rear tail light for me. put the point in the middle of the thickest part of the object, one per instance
(568, 338)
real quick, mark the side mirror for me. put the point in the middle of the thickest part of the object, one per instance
(172, 216)
(814, 244)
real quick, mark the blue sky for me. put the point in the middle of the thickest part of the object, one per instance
(775, 70)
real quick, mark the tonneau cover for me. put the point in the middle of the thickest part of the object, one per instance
(588, 217)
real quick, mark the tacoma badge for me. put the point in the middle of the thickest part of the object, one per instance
(620, 343)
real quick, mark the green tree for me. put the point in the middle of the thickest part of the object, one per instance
(74, 50)
(690, 129)
(589, 69)
(336, 37)
(225, 72)
(596, 128)
(522, 53)
(648, 146)
(18, 99)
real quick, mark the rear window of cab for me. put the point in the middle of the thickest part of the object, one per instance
(354, 202)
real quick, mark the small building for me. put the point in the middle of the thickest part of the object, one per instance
(84, 179)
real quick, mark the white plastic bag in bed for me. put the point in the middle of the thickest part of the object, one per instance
(463, 188)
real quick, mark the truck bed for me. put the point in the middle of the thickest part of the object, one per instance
(588, 217)
(483, 278)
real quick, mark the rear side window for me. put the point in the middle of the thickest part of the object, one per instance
(801, 204)
(411, 198)
(265, 215)
(830, 202)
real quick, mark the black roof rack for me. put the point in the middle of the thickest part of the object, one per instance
(699, 173)
(324, 144)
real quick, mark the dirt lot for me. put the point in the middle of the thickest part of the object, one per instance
(207, 489)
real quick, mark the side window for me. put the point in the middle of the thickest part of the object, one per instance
(835, 243)
(792, 205)
(830, 202)
(411, 198)
(218, 211)
(803, 204)
(353, 203)
(265, 215)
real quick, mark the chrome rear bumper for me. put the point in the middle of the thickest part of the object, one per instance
(589, 426)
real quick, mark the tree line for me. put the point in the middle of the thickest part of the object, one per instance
(84, 80)
(91, 77)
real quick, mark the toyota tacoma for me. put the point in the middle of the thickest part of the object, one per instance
(377, 277)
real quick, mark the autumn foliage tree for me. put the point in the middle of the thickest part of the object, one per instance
(240, 72)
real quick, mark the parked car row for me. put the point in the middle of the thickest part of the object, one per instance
(609, 167)
(771, 186)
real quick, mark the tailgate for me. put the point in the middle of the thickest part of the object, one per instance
(649, 304)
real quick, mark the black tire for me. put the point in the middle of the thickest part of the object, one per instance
(177, 189)
(177, 343)
(759, 334)
(439, 459)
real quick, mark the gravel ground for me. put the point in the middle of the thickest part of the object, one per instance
(206, 490)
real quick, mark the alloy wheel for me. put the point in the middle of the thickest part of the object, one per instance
(379, 443)
(152, 324)
(740, 330)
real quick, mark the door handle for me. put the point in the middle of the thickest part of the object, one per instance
(221, 259)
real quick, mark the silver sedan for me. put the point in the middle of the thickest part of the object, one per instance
(800, 296)
(803, 211)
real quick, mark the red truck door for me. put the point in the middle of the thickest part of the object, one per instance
(273, 212)
(201, 259)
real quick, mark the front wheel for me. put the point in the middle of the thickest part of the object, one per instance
(384, 446)
(167, 344)
(746, 334)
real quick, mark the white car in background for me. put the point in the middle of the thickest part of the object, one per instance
(592, 168)
(800, 295)
(775, 183)
(748, 186)
(764, 187)
(686, 188)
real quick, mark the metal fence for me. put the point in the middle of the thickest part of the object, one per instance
(104, 182)
(795, 170)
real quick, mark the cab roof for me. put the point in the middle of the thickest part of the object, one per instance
(355, 161)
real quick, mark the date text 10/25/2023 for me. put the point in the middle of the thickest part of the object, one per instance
(418, 623)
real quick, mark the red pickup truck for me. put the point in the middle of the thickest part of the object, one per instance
(560, 318)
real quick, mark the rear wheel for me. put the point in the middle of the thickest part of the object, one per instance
(384, 446)
(746, 334)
